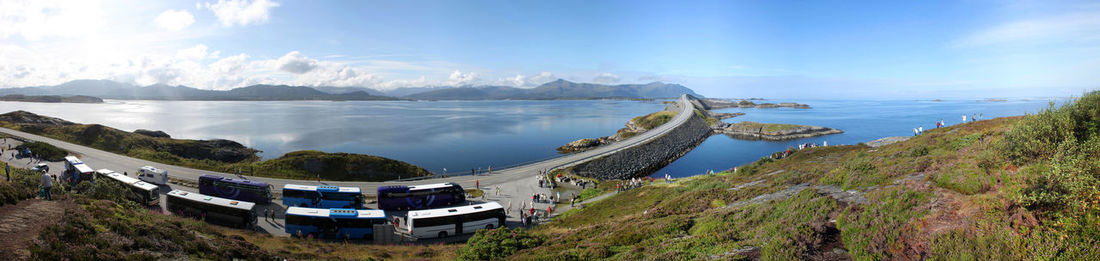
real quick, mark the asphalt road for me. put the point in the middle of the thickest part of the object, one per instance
(516, 183)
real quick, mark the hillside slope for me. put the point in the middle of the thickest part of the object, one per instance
(1003, 189)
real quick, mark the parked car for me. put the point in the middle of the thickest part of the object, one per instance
(41, 167)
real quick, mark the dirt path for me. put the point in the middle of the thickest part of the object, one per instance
(21, 223)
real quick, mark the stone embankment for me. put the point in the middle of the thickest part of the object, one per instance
(646, 158)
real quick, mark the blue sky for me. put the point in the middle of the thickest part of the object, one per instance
(776, 49)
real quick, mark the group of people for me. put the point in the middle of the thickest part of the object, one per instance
(634, 183)
(973, 117)
(941, 123)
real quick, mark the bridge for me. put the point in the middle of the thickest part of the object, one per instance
(517, 182)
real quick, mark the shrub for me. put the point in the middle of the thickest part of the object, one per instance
(44, 150)
(495, 244)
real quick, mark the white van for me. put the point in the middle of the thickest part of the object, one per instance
(153, 175)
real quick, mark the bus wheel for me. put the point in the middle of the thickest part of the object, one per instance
(442, 234)
(489, 226)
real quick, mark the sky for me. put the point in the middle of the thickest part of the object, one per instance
(771, 49)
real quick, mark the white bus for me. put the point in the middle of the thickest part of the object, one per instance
(442, 222)
(211, 209)
(146, 193)
(76, 170)
(153, 175)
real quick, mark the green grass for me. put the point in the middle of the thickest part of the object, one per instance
(44, 150)
(766, 127)
(1002, 189)
(655, 119)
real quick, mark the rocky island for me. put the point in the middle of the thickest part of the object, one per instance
(748, 130)
(635, 126)
(717, 104)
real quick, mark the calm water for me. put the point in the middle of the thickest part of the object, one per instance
(457, 135)
(460, 135)
(861, 121)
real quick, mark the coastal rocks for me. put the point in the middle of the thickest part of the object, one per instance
(646, 158)
(25, 117)
(717, 104)
(887, 141)
(151, 133)
(773, 132)
(217, 149)
(726, 115)
(585, 144)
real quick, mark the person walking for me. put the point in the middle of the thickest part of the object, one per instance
(573, 202)
(47, 184)
(7, 171)
(921, 129)
(477, 183)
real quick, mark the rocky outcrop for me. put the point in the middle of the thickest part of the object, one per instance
(773, 132)
(726, 115)
(585, 144)
(887, 141)
(717, 104)
(154, 134)
(25, 117)
(644, 159)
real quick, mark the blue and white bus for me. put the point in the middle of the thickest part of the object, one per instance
(443, 222)
(239, 189)
(420, 196)
(344, 223)
(323, 196)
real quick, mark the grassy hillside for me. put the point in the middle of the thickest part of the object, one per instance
(100, 224)
(215, 155)
(1003, 189)
(337, 166)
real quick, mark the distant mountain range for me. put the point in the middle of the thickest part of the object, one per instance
(560, 89)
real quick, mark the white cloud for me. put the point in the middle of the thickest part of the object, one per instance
(606, 78)
(1083, 26)
(460, 78)
(34, 20)
(198, 52)
(241, 12)
(174, 20)
(522, 81)
(295, 62)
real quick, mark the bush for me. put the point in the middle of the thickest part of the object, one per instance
(495, 244)
(44, 150)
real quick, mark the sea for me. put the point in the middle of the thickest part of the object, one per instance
(457, 136)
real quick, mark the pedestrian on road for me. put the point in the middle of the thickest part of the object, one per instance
(548, 210)
(267, 214)
(47, 184)
(477, 183)
(573, 203)
(498, 190)
(7, 171)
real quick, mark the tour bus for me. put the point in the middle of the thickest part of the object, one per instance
(77, 170)
(442, 222)
(146, 193)
(153, 175)
(214, 210)
(342, 223)
(420, 196)
(323, 196)
(239, 189)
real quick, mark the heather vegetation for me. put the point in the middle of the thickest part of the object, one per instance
(1002, 189)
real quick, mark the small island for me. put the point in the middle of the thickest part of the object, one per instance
(717, 104)
(748, 130)
(51, 98)
(635, 126)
